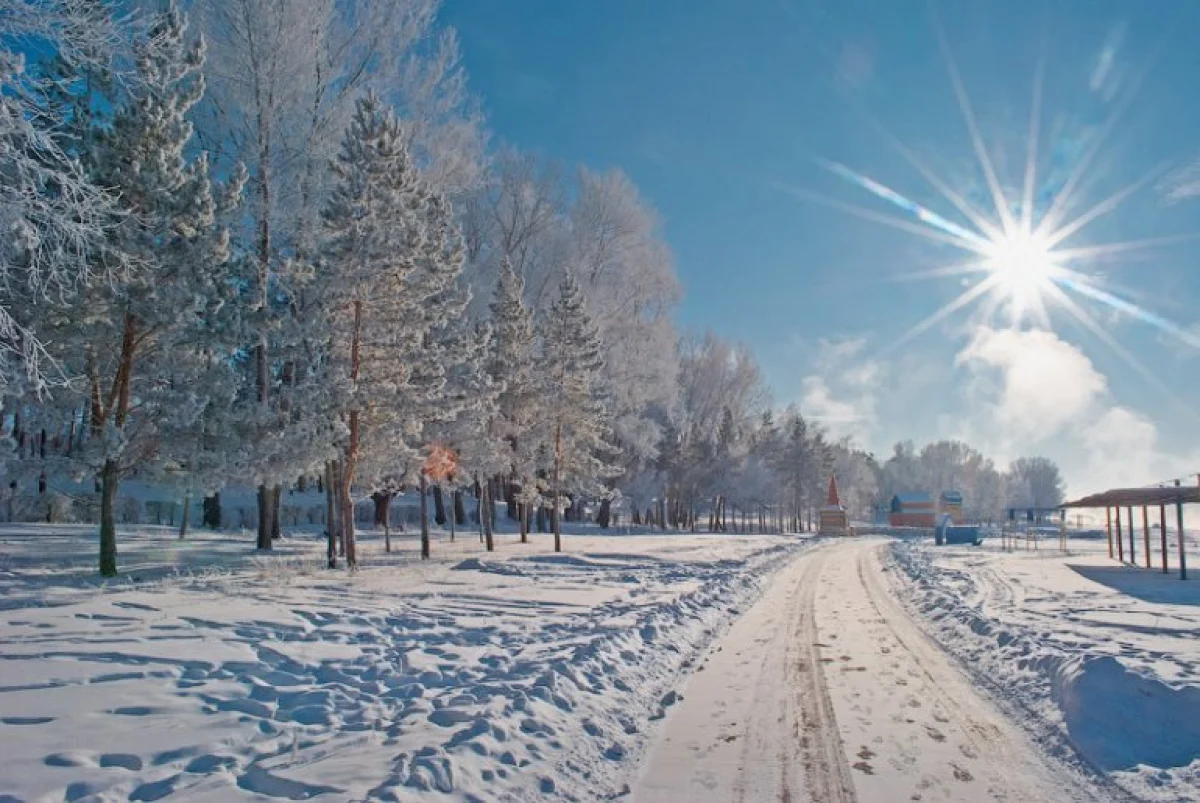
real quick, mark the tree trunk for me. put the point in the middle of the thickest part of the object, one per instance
(510, 499)
(453, 519)
(460, 508)
(110, 475)
(264, 518)
(524, 523)
(338, 525)
(348, 539)
(276, 511)
(604, 517)
(439, 506)
(383, 516)
(330, 518)
(350, 461)
(261, 364)
(424, 517)
(212, 512)
(187, 515)
(110, 480)
(488, 537)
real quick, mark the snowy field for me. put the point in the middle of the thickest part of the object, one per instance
(1077, 648)
(208, 674)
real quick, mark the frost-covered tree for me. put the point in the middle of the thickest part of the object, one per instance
(577, 420)
(154, 344)
(391, 259)
(513, 366)
(714, 378)
(626, 270)
(285, 77)
(474, 434)
(52, 215)
(537, 217)
(1036, 482)
(856, 477)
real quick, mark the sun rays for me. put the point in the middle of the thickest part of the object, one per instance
(1021, 257)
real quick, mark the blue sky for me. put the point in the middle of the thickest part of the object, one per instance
(716, 107)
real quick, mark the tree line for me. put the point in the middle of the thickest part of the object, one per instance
(271, 244)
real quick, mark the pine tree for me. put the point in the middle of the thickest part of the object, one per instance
(577, 420)
(513, 365)
(154, 344)
(391, 262)
(474, 435)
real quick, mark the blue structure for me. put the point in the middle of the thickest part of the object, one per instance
(947, 533)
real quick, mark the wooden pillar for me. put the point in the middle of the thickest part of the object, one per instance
(1162, 532)
(1132, 555)
(1108, 519)
(1146, 534)
(1120, 543)
(1179, 523)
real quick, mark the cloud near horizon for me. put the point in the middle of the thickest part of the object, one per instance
(1021, 393)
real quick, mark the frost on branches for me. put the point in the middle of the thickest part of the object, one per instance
(52, 215)
(155, 342)
(391, 258)
(581, 452)
(513, 364)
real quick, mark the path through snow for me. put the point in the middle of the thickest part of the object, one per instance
(826, 690)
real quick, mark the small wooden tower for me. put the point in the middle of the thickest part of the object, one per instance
(833, 519)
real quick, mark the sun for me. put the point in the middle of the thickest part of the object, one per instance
(1022, 268)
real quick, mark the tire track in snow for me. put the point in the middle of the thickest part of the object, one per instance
(757, 723)
(826, 771)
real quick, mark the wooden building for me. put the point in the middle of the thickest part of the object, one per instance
(951, 504)
(833, 519)
(913, 510)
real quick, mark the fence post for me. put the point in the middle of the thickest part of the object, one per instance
(1146, 534)
(1120, 543)
(1162, 532)
(1108, 519)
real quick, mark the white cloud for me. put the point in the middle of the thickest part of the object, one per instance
(843, 394)
(1030, 392)
(1037, 383)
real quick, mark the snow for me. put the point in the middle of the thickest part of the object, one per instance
(207, 673)
(827, 690)
(1080, 649)
(648, 667)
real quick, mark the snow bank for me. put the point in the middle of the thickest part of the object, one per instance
(1103, 679)
(515, 675)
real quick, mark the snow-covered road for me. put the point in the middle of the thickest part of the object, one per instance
(827, 690)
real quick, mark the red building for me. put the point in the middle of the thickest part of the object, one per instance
(912, 510)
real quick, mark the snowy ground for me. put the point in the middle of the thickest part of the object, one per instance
(657, 668)
(827, 690)
(208, 675)
(1080, 650)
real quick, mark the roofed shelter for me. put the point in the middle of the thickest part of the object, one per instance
(1129, 498)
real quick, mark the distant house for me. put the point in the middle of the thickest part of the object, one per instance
(912, 510)
(951, 504)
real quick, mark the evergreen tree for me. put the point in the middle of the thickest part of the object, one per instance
(577, 420)
(391, 263)
(155, 343)
(513, 366)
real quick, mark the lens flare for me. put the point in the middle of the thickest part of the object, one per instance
(1020, 254)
